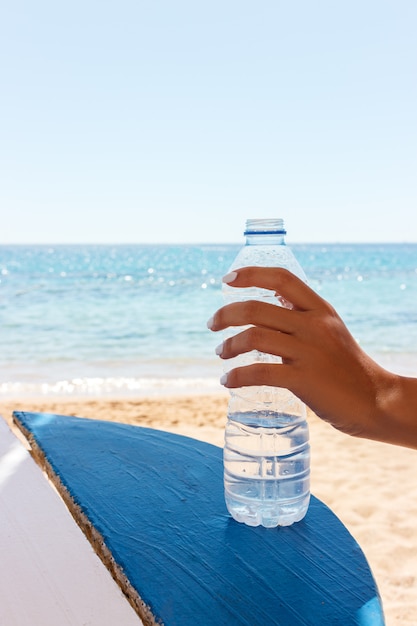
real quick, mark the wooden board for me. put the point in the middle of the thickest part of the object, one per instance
(152, 505)
(49, 574)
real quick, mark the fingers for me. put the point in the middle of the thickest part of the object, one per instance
(273, 375)
(261, 339)
(254, 312)
(277, 279)
(273, 329)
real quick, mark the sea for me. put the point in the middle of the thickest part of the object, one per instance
(130, 320)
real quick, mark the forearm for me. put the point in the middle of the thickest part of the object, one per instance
(396, 412)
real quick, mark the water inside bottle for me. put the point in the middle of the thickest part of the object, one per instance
(267, 470)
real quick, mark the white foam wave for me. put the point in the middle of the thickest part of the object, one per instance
(110, 387)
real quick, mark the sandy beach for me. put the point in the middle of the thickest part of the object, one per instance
(370, 486)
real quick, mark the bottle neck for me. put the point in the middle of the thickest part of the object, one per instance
(264, 232)
(265, 239)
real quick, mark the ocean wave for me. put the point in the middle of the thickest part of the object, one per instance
(110, 386)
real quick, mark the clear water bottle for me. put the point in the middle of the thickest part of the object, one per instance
(266, 452)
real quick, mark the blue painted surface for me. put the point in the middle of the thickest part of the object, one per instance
(157, 500)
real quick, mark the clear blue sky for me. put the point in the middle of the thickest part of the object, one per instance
(174, 121)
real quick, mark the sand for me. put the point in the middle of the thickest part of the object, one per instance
(371, 487)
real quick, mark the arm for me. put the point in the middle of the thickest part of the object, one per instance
(322, 363)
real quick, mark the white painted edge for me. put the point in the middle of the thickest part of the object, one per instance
(49, 573)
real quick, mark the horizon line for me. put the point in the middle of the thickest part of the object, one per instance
(200, 243)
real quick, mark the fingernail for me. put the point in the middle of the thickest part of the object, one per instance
(223, 379)
(210, 323)
(230, 277)
(219, 349)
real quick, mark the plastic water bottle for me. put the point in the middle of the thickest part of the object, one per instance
(266, 452)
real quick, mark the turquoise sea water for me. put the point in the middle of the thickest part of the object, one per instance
(131, 319)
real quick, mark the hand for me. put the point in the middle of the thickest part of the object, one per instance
(322, 363)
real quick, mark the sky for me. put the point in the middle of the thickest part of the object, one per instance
(142, 121)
